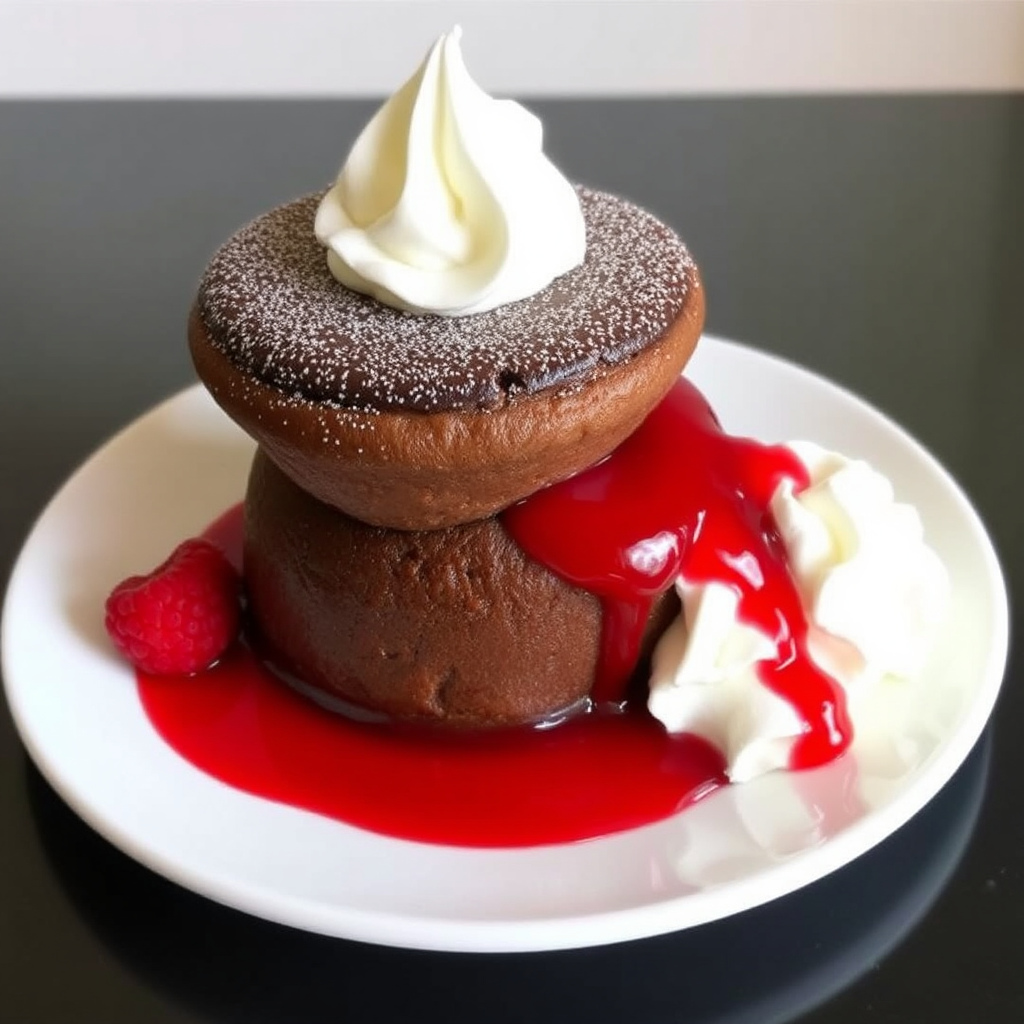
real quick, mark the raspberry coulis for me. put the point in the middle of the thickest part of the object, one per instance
(678, 496)
(682, 497)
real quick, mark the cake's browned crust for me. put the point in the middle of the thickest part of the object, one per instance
(268, 302)
(422, 422)
(455, 626)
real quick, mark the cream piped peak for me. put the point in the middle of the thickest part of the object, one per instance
(446, 203)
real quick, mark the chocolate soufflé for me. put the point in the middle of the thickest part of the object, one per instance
(376, 564)
(419, 422)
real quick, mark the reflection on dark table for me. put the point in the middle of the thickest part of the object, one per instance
(879, 241)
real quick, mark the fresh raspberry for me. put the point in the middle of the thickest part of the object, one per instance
(181, 617)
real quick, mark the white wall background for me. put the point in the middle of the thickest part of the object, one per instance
(553, 47)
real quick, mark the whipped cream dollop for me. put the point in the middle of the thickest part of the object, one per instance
(447, 203)
(873, 593)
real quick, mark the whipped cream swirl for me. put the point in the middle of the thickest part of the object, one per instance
(447, 203)
(873, 592)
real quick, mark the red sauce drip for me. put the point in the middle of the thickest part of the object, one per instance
(592, 776)
(680, 496)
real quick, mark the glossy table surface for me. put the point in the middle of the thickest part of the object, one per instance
(879, 241)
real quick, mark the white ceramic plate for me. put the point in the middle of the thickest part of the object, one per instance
(171, 472)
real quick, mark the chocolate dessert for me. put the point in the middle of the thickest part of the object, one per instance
(462, 344)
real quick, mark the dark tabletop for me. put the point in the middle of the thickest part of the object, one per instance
(879, 241)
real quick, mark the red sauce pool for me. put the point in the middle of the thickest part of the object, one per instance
(624, 529)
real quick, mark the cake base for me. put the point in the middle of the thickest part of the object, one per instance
(454, 626)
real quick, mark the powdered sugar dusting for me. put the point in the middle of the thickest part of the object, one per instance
(271, 305)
